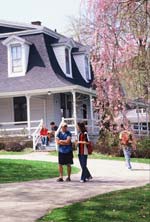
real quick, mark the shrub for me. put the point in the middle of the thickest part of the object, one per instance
(28, 144)
(143, 148)
(13, 146)
(108, 143)
(2, 146)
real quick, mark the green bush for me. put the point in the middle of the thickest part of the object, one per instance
(13, 146)
(2, 146)
(143, 148)
(28, 144)
(108, 143)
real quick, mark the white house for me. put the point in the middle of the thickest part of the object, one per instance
(44, 76)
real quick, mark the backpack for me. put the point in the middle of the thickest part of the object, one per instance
(90, 147)
(125, 137)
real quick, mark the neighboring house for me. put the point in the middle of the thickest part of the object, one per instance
(43, 75)
(139, 119)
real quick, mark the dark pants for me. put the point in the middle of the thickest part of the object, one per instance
(85, 172)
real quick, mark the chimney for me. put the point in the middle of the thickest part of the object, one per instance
(36, 23)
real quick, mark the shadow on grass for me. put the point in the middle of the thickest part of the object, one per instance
(119, 206)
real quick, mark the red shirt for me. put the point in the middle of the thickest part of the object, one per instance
(82, 137)
(44, 132)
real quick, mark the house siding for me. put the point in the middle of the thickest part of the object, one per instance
(6, 110)
(37, 108)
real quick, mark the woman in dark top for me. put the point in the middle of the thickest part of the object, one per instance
(83, 152)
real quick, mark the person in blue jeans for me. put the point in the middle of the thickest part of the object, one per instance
(83, 152)
(127, 143)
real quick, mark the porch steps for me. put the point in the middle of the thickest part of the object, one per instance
(51, 147)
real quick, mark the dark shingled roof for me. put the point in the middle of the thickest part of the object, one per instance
(43, 69)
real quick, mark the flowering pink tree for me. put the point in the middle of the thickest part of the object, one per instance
(117, 30)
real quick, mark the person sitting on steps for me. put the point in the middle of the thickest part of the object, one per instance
(51, 133)
(43, 134)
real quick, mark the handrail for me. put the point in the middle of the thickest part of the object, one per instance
(36, 134)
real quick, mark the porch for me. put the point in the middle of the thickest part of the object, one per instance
(24, 114)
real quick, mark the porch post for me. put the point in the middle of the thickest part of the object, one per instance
(91, 112)
(44, 105)
(74, 111)
(28, 116)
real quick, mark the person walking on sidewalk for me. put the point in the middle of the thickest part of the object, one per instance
(65, 155)
(127, 143)
(82, 143)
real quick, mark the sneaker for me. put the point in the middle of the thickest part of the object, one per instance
(60, 179)
(82, 181)
(68, 179)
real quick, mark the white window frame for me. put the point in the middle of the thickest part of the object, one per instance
(14, 41)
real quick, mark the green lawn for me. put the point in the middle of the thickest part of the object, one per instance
(106, 157)
(27, 170)
(25, 151)
(130, 205)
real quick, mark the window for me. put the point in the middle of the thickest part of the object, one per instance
(20, 109)
(87, 70)
(18, 55)
(67, 57)
(16, 58)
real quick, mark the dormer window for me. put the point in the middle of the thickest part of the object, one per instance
(67, 57)
(63, 55)
(18, 54)
(16, 58)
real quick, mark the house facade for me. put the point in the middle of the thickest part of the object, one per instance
(43, 76)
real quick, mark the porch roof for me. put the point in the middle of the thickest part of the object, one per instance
(52, 90)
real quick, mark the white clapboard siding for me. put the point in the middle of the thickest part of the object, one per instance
(37, 108)
(6, 110)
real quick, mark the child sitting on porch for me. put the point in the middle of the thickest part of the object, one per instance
(43, 134)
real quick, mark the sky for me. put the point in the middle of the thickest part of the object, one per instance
(53, 14)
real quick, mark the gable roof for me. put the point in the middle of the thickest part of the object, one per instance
(13, 38)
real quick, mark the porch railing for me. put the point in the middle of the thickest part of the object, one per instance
(17, 128)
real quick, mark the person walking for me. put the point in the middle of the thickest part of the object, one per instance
(82, 143)
(65, 155)
(127, 144)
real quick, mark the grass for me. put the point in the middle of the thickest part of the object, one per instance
(25, 151)
(107, 157)
(27, 170)
(130, 205)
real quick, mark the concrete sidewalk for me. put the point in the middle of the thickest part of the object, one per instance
(28, 201)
